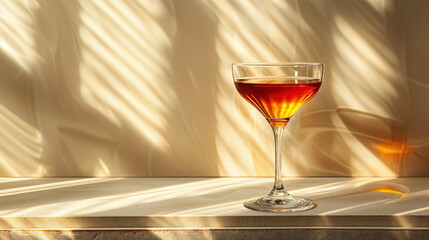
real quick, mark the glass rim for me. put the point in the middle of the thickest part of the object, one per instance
(278, 64)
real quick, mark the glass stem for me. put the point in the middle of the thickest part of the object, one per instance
(278, 189)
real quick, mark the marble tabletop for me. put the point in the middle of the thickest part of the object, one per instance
(209, 203)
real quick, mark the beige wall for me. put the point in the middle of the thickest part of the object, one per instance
(144, 88)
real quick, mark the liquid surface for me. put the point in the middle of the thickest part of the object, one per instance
(277, 98)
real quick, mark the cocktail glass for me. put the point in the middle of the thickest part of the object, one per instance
(278, 91)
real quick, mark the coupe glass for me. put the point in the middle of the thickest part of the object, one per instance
(278, 90)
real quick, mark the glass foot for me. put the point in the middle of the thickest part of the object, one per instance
(288, 204)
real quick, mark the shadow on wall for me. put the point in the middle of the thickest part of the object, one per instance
(142, 88)
(359, 123)
(110, 90)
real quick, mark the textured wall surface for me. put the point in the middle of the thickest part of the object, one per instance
(144, 88)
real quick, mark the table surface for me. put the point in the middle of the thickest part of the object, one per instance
(209, 203)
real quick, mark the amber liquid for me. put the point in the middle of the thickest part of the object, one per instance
(277, 99)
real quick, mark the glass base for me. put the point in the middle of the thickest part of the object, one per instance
(287, 204)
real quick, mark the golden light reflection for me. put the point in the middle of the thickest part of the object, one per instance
(399, 192)
(393, 149)
(388, 189)
(363, 161)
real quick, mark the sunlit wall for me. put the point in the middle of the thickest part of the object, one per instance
(144, 88)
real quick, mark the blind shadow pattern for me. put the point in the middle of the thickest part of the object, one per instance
(144, 88)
